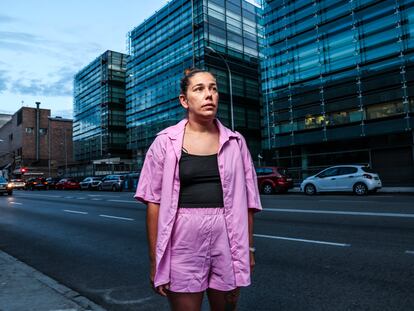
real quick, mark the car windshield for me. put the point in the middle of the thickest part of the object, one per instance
(283, 171)
(2, 180)
(96, 178)
(367, 170)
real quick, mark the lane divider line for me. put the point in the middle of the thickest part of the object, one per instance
(115, 217)
(123, 201)
(306, 211)
(17, 203)
(75, 212)
(409, 252)
(301, 240)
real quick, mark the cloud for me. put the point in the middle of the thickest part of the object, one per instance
(3, 81)
(6, 19)
(60, 86)
(65, 113)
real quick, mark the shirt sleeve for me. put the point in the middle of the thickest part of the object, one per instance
(150, 180)
(252, 190)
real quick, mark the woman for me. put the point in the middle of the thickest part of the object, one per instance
(200, 187)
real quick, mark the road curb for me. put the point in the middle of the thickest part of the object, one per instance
(83, 302)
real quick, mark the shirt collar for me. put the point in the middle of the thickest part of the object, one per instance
(176, 134)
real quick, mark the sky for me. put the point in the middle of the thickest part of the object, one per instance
(44, 43)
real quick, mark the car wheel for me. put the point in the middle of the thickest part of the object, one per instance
(267, 189)
(89, 187)
(114, 188)
(310, 189)
(360, 189)
(100, 188)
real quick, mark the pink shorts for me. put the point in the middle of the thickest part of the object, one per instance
(200, 251)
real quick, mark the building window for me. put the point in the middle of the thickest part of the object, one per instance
(43, 131)
(11, 137)
(385, 110)
(29, 130)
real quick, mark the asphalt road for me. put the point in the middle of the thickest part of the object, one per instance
(328, 252)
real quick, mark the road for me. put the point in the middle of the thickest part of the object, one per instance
(327, 252)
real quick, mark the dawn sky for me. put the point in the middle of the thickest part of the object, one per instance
(43, 43)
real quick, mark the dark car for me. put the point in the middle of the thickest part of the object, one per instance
(273, 179)
(90, 183)
(38, 183)
(5, 186)
(112, 182)
(67, 183)
(51, 182)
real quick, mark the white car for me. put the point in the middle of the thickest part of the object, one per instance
(357, 178)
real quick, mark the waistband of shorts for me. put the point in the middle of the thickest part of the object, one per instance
(201, 210)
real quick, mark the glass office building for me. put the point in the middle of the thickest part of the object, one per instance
(338, 85)
(99, 129)
(182, 34)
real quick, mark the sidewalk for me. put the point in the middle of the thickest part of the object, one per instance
(24, 289)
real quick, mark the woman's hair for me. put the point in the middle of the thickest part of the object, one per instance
(188, 74)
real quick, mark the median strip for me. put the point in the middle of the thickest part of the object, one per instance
(306, 211)
(115, 217)
(301, 240)
(74, 212)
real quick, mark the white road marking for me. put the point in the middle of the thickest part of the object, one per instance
(115, 217)
(309, 211)
(95, 199)
(409, 252)
(75, 212)
(81, 198)
(69, 197)
(301, 240)
(40, 195)
(122, 201)
(17, 203)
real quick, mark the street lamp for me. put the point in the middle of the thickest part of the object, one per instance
(230, 85)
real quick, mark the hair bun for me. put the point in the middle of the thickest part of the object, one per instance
(188, 71)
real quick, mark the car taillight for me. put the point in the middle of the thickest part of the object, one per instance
(367, 176)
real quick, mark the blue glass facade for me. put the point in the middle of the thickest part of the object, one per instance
(338, 84)
(175, 38)
(99, 129)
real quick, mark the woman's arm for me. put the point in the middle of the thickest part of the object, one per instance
(152, 228)
(251, 243)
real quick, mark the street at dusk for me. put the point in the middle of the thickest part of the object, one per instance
(327, 252)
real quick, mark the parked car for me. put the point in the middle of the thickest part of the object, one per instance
(112, 182)
(17, 183)
(51, 182)
(67, 183)
(273, 179)
(90, 183)
(38, 183)
(5, 186)
(357, 178)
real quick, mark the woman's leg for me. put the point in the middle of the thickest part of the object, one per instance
(223, 300)
(185, 301)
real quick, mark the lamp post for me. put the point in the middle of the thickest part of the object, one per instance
(230, 85)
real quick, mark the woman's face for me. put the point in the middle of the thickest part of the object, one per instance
(201, 99)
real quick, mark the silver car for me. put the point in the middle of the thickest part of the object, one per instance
(90, 183)
(352, 178)
(112, 182)
(5, 187)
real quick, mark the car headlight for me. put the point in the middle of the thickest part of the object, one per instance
(9, 185)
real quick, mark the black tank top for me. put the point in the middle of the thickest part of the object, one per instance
(200, 181)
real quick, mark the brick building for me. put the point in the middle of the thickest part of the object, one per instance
(34, 140)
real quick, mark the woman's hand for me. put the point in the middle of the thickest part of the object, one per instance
(252, 262)
(160, 290)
